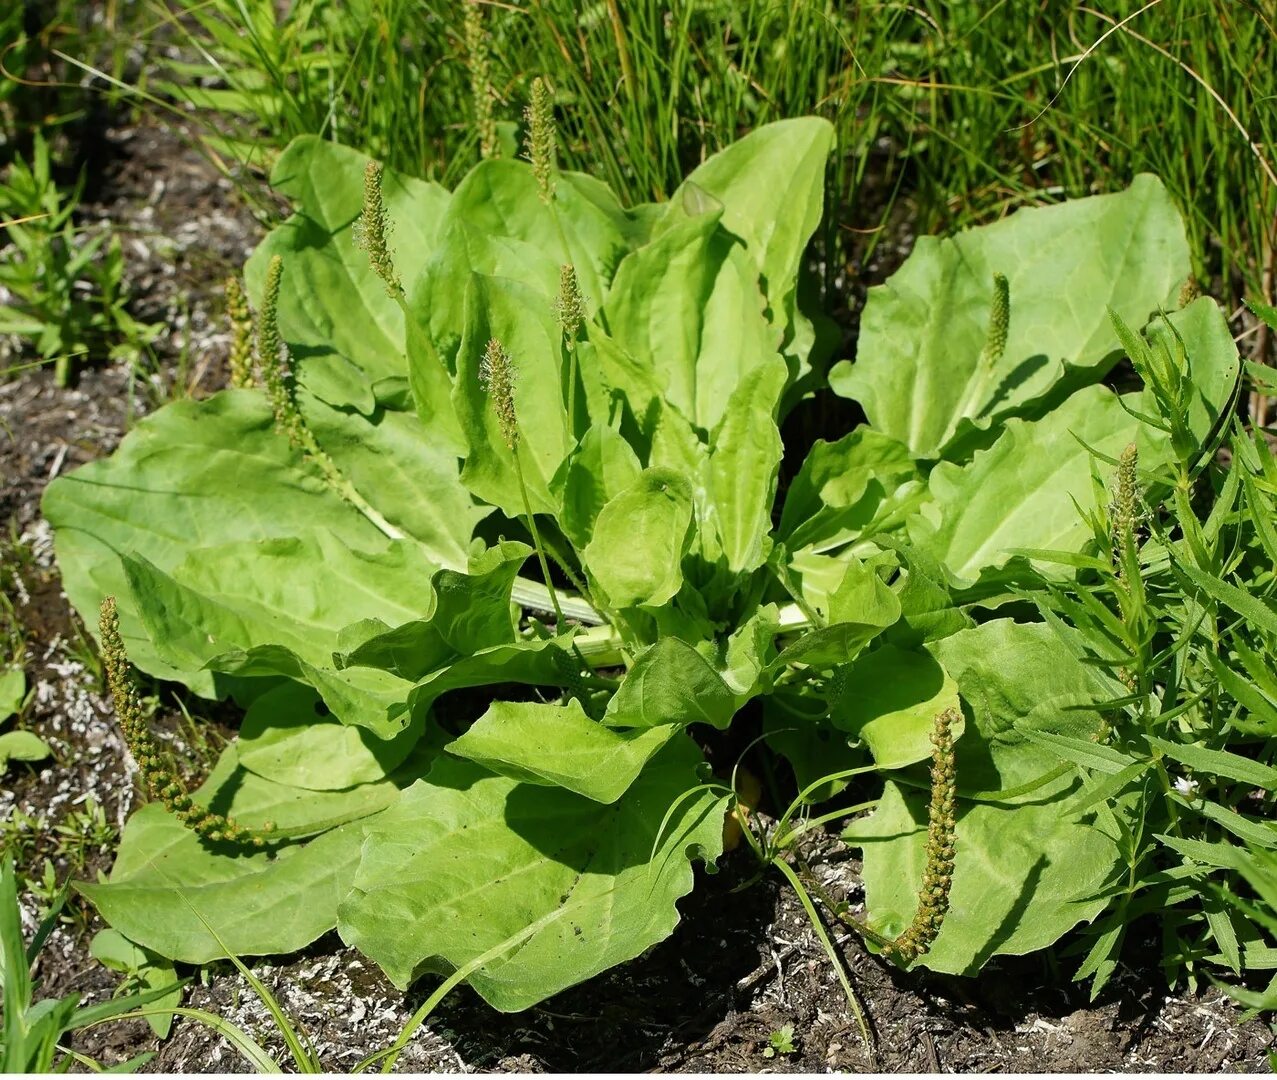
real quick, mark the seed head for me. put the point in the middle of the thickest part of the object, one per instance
(569, 305)
(241, 320)
(273, 355)
(1124, 511)
(1189, 291)
(937, 877)
(541, 137)
(995, 342)
(480, 67)
(496, 374)
(158, 778)
(372, 230)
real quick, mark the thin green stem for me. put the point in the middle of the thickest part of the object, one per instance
(813, 823)
(536, 541)
(831, 952)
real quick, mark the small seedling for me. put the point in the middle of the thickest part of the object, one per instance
(781, 1041)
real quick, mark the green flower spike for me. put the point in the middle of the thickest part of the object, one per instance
(273, 355)
(937, 878)
(372, 230)
(160, 781)
(241, 320)
(541, 137)
(479, 64)
(995, 342)
(569, 305)
(1124, 511)
(496, 373)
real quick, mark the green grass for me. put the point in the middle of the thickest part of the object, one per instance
(968, 109)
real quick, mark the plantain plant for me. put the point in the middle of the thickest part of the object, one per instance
(495, 546)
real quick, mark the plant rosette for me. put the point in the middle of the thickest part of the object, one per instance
(467, 395)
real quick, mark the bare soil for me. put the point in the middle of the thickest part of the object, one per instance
(740, 965)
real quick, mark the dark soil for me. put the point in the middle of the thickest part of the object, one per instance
(741, 964)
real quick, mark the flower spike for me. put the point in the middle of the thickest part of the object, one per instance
(478, 61)
(1124, 511)
(273, 355)
(937, 878)
(372, 230)
(241, 320)
(569, 305)
(161, 782)
(496, 373)
(541, 137)
(999, 323)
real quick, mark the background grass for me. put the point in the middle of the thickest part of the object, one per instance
(962, 108)
(949, 112)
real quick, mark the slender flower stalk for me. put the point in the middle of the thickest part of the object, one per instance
(160, 781)
(372, 230)
(496, 374)
(937, 878)
(277, 380)
(241, 320)
(541, 138)
(273, 356)
(480, 67)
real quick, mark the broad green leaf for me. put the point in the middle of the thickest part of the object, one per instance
(466, 614)
(858, 610)
(1023, 875)
(842, 486)
(254, 609)
(771, 187)
(890, 702)
(167, 883)
(635, 554)
(918, 373)
(585, 225)
(600, 468)
(1015, 677)
(289, 736)
(214, 473)
(345, 334)
(521, 320)
(928, 610)
(1025, 872)
(1025, 491)
(622, 389)
(672, 683)
(13, 691)
(745, 454)
(410, 479)
(151, 972)
(22, 746)
(496, 225)
(467, 862)
(687, 307)
(533, 662)
(559, 746)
